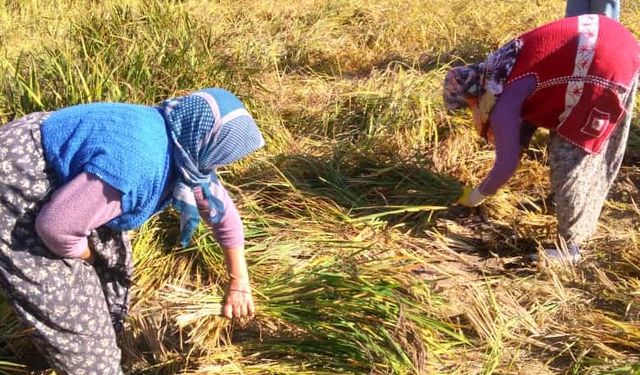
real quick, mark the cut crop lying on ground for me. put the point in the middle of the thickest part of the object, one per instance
(359, 261)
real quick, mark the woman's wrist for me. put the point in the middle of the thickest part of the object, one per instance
(475, 198)
(236, 266)
(239, 279)
(241, 284)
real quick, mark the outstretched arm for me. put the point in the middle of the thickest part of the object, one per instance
(506, 127)
(230, 235)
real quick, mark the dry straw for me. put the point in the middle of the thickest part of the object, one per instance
(360, 261)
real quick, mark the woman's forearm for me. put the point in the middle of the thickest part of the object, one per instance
(238, 301)
(236, 265)
(499, 175)
(506, 126)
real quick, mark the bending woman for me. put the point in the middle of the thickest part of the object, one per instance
(73, 181)
(577, 77)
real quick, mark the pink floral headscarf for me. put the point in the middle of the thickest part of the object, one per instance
(483, 81)
(476, 80)
(462, 83)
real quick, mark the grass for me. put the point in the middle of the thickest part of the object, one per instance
(359, 261)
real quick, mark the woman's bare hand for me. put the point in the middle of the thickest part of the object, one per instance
(238, 301)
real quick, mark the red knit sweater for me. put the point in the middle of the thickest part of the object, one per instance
(584, 69)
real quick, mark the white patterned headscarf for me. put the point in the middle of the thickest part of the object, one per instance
(209, 128)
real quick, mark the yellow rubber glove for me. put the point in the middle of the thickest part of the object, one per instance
(471, 197)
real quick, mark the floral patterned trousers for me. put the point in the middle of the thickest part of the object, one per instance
(581, 181)
(73, 307)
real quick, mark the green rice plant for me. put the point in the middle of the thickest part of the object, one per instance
(357, 181)
(116, 58)
(335, 311)
(347, 313)
(630, 369)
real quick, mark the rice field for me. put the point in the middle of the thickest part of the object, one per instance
(360, 261)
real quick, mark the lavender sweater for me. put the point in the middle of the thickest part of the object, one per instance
(510, 133)
(87, 202)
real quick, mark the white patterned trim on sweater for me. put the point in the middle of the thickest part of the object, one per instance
(588, 27)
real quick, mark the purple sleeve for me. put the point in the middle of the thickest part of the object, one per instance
(75, 209)
(229, 232)
(507, 127)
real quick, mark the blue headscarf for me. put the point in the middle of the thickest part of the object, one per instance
(209, 128)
